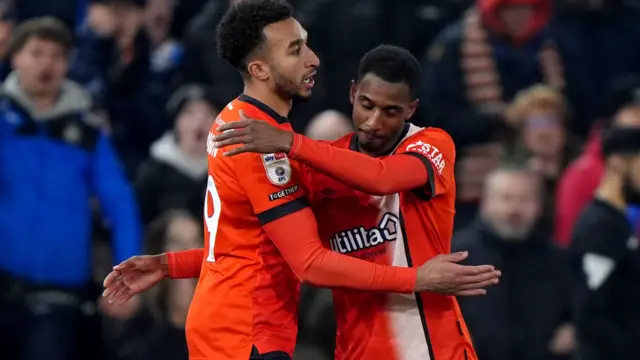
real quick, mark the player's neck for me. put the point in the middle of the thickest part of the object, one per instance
(269, 98)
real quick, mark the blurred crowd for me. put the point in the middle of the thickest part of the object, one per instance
(105, 108)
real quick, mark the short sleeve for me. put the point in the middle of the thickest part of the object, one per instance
(273, 183)
(435, 148)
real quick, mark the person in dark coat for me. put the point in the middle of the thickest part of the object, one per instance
(606, 257)
(176, 174)
(526, 316)
(130, 70)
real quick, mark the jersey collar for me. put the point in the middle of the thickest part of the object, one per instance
(264, 108)
(353, 145)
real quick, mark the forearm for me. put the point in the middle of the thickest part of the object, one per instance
(184, 264)
(330, 269)
(296, 237)
(389, 175)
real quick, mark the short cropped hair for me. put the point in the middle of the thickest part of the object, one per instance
(46, 28)
(536, 97)
(240, 33)
(392, 64)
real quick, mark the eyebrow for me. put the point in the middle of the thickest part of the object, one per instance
(295, 43)
(389, 107)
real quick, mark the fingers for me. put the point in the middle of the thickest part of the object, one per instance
(476, 288)
(487, 276)
(111, 288)
(116, 293)
(229, 135)
(479, 285)
(231, 141)
(238, 150)
(473, 292)
(235, 124)
(128, 293)
(474, 270)
(111, 278)
(124, 297)
(455, 257)
(129, 263)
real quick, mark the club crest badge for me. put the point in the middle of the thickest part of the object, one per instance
(277, 167)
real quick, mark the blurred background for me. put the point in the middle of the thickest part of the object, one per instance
(519, 84)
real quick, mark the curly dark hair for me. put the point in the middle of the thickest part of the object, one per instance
(393, 64)
(240, 33)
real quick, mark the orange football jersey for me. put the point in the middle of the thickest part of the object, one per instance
(247, 295)
(404, 229)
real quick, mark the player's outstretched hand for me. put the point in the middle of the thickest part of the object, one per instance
(444, 275)
(134, 276)
(256, 136)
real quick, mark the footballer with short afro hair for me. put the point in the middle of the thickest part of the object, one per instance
(240, 33)
(393, 64)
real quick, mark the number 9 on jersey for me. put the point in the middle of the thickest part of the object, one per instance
(212, 209)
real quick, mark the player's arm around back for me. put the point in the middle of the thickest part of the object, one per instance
(419, 161)
(422, 155)
(272, 184)
(296, 236)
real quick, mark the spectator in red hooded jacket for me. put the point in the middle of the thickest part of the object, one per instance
(476, 66)
(582, 177)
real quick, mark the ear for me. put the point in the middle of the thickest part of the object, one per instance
(412, 108)
(258, 70)
(353, 90)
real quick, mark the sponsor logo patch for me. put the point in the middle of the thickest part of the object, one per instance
(361, 238)
(431, 152)
(277, 167)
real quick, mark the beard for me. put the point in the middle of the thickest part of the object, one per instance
(630, 193)
(287, 88)
(509, 231)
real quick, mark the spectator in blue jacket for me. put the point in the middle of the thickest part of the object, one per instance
(54, 157)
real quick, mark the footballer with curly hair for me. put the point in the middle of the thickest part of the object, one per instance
(261, 237)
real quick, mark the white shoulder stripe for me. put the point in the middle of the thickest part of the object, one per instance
(413, 129)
